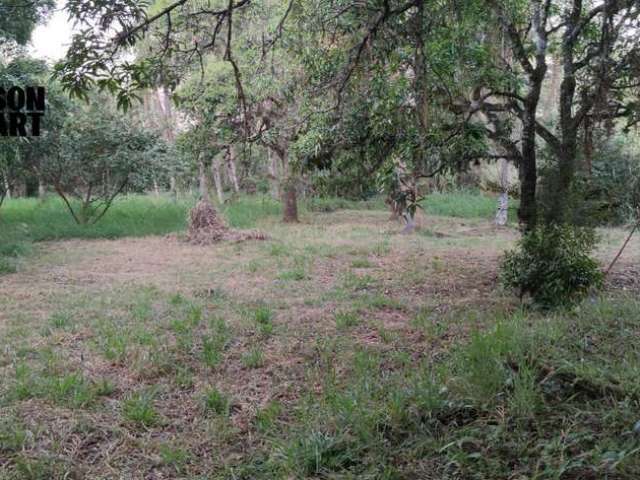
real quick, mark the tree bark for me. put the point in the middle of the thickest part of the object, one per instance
(290, 200)
(588, 146)
(536, 71)
(41, 189)
(7, 189)
(231, 168)
(217, 179)
(203, 181)
(289, 188)
(272, 165)
(503, 200)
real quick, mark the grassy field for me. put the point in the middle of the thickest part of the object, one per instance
(336, 349)
(24, 221)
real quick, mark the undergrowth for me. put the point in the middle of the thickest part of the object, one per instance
(532, 396)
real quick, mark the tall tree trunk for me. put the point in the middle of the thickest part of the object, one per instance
(528, 169)
(41, 189)
(215, 169)
(173, 188)
(290, 201)
(566, 154)
(168, 126)
(588, 146)
(7, 189)
(231, 168)
(288, 187)
(272, 165)
(503, 200)
(203, 181)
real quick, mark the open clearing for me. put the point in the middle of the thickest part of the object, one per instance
(335, 349)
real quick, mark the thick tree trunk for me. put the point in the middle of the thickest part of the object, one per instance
(527, 213)
(288, 187)
(528, 169)
(566, 153)
(290, 201)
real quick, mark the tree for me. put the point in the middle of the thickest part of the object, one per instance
(597, 46)
(17, 154)
(97, 156)
(18, 19)
(388, 65)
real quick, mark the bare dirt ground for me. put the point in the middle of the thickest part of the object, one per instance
(81, 314)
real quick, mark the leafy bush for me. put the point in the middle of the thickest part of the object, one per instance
(552, 264)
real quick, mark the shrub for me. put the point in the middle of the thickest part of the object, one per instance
(552, 264)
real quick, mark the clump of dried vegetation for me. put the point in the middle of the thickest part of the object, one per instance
(207, 227)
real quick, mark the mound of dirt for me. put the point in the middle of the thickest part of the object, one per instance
(207, 227)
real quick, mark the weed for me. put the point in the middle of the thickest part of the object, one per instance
(347, 320)
(60, 320)
(277, 250)
(174, 456)
(212, 351)
(104, 388)
(356, 282)
(263, 318)
(7, 266)
(70, 390)
(13, 435)
(216, 402)
(361, 263)
(254, 358)
(267, 416)
(183, 377)
(139, 409)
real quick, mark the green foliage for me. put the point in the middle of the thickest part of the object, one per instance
(464, 204)
(17, 20)
(490, 408)
(611, 194)
(552, 264)
(332, 204)
(245, 212)
(7, 266)
(98, 155)
(28, 219)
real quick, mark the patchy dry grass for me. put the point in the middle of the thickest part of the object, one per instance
(337, 349)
